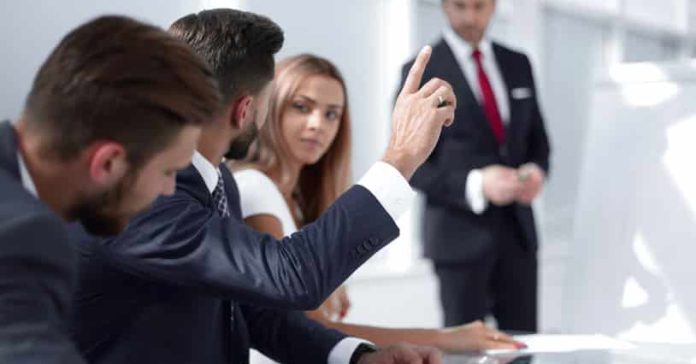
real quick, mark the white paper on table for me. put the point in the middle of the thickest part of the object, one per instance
(540, 343)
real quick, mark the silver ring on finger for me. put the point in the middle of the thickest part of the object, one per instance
(441, 101)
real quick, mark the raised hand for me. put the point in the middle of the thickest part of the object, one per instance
(418, 118)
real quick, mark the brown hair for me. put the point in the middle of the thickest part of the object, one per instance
(239, 47)
(118, 79)
(320, 184)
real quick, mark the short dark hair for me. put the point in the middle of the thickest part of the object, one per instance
(239, 47)
(118, 79)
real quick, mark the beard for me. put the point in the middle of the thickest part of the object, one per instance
(100, 215)
(240, 146)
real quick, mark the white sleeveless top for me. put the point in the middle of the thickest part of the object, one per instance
(259, 195)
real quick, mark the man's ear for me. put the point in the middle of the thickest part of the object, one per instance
(107, 163)
(241, 112)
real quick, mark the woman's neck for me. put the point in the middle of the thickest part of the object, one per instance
(287, 183)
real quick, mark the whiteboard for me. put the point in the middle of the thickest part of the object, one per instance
(631, 271)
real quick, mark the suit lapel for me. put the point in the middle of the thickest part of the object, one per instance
(190, 181)
(507, 70)
(452, 71)
(239, 331)
(8, 149)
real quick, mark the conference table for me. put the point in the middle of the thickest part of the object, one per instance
(643, 353)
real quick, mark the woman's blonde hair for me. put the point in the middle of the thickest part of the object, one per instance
(319, 184)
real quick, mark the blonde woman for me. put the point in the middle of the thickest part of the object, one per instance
(300, 164)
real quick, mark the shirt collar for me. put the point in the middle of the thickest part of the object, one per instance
(462, 49)
(207, 170)
(27, 182)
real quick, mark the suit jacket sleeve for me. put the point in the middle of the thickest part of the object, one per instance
(181, 242)
(443, 184)
(37, 269)
(538, 141)
(289, 336)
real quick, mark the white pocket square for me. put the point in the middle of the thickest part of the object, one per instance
(521, 93)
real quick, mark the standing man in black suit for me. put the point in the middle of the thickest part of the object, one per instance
(113, 113)
(186, 281)
(483, 176)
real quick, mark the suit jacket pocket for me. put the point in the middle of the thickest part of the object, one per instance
(521, 93)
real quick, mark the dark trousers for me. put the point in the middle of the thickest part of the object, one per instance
(503, 283)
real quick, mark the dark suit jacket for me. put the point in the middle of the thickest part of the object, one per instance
(160, 291)
(37, 270)
(452, 232)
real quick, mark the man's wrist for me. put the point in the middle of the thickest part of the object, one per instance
(401, 162)
(361, 351)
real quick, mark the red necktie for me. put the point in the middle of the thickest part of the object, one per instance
(490, 106)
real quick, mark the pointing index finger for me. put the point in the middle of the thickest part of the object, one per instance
(415, 74)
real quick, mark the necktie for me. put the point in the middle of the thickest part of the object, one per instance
(223, 209)
(220, 198)
(490, 106)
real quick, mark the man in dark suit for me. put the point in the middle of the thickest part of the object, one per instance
(179, 284)
(485, 172)
(76, 154)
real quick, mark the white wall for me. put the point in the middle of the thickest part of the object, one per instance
(666, 14)
(641, 47)
(29, 29)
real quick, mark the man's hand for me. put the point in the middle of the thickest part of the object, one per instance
(334, 309)
(419, 115)
(531, 181)
(403, 354)
(475, 336)
(501, 185)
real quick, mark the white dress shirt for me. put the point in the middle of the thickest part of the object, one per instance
(388, 186)
(463, 54)
(27, 182)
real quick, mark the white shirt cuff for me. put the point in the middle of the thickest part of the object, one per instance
(474, 191)
(389, 187)
(341, 353)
